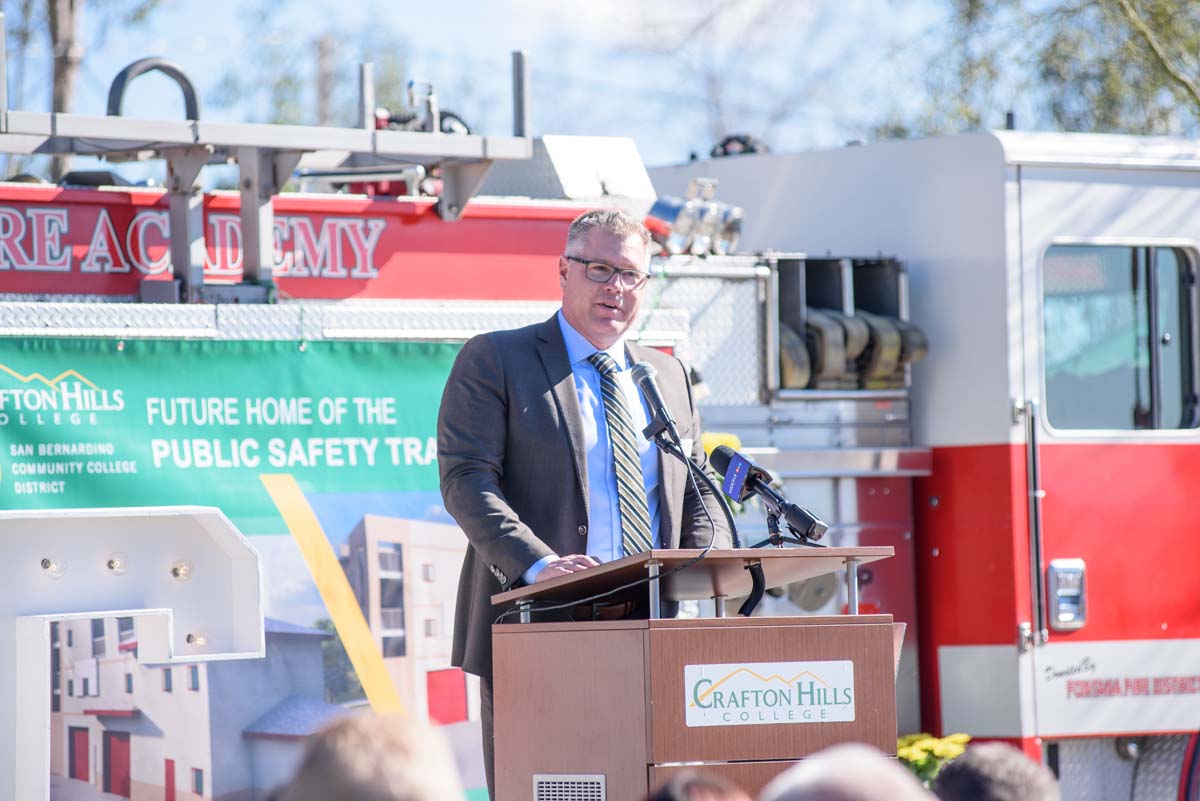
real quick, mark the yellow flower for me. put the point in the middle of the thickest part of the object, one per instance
(711, 439)
(909, 739)
(948, 750)
(924, 755)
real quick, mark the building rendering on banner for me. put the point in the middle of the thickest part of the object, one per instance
(405, 575)
(227, 730)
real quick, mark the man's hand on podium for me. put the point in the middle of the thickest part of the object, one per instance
(565, 565)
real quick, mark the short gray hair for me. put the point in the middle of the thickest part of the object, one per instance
(613, 221)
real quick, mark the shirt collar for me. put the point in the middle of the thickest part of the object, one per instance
(579, 349)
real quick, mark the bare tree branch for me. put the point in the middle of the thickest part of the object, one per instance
(1160, 56)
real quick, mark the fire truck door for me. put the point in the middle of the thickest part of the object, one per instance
(1109, 346)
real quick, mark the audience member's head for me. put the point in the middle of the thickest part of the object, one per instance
(995, 772)
(692, 785)
(850, 772)
(373, 758)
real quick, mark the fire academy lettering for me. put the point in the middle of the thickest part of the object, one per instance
(37, 239)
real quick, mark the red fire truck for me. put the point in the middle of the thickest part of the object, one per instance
(1055, 277)
(1033, 473)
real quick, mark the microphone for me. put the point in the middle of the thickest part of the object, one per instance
(743, 478)
(643, 375)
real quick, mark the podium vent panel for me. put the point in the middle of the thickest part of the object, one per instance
(568, 787)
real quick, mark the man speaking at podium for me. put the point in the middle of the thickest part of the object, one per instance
(542, 459)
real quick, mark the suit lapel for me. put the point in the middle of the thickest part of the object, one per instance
(553, 353)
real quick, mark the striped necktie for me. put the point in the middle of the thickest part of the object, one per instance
(631, 488)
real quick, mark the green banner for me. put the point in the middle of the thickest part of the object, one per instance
(103, 422)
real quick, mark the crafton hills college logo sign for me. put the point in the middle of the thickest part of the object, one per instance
(768, 692)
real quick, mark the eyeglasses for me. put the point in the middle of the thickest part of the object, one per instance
(602, 273)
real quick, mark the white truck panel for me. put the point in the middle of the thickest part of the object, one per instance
(863, 201)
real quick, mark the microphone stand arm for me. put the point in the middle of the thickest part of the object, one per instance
(758, 584)
(656, 432)
(777, 538)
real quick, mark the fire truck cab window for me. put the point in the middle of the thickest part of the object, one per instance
(1119, 343)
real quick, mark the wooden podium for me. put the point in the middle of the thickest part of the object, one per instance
(610, 709)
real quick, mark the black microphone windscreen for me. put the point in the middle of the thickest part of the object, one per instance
(643, 371)
(720, 458)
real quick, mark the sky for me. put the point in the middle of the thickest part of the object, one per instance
(796, 73)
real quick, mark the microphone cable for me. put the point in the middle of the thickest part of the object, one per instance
(675, 450)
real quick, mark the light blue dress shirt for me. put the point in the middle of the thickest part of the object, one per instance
(604, 516)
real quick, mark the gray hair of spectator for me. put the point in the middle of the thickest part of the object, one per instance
(614, 221)
(851, 772)
(375, 758)
(995, 772)
(693, 785)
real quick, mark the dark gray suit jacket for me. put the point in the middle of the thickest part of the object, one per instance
(513, 469)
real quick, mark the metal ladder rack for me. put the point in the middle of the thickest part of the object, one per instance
(266, 156)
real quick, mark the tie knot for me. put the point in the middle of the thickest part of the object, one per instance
(603, 362)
